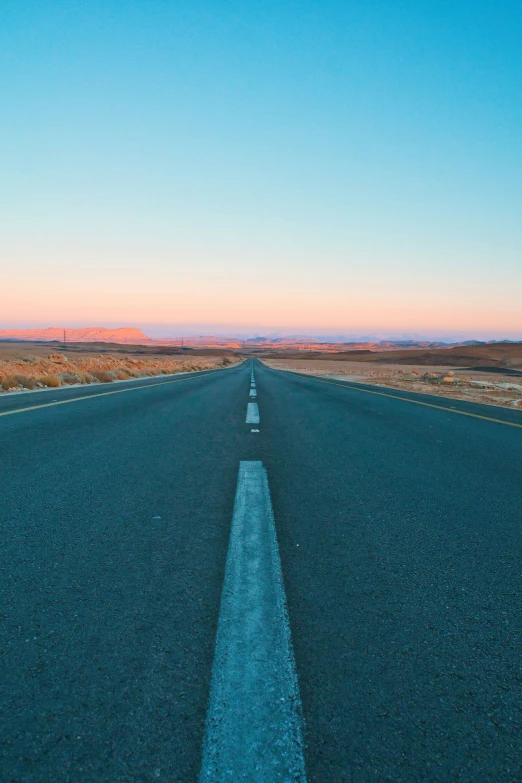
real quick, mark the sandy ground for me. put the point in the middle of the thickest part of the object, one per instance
(36, 367)
(472, 385)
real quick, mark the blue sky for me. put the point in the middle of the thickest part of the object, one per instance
(344, 167)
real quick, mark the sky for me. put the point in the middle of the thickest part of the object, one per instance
(262, 166)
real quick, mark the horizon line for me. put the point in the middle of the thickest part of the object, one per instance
(252, 333)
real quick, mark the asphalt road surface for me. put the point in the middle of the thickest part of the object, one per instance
(399, 534)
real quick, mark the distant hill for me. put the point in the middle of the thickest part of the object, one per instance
(483, 356)
(259, 345)
(473, 354)
(91, 334)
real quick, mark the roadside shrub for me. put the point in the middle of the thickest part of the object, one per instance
(50, 380)
(8, 382)
(226, 361)
(122, 374)
(25, 382)
(68, 378)
(104, 376)
(86, 377)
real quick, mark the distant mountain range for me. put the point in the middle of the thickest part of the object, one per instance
(133, 336)
(92, 334)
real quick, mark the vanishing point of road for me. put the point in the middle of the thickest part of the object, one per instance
(249, 574)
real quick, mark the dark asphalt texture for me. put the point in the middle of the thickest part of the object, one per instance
(400, 538)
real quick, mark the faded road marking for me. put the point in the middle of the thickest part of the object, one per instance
(252, 416)
(254, 722)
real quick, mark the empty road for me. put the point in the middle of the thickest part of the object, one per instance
(350, 559)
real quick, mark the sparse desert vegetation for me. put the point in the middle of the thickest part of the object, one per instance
(22, 371)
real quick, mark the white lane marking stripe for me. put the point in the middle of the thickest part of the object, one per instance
(252, 416)
(253, 393)
(254, 727)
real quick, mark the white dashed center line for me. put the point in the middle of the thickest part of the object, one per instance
(252, 415)
(253, 393)
(254, 721)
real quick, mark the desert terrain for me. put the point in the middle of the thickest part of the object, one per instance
(487, 372)
(490, 374)
(29, 366)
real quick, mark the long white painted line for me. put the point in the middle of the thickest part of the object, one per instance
(254, 727)
(253, 393)
(252, 416)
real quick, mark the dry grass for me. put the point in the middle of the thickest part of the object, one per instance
(23, 371)
(104, 376)
(50, 380)
(25, 382)
(68, 378)
(8, 382)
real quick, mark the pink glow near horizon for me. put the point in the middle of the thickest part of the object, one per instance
(304, 316)
(259, 298)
